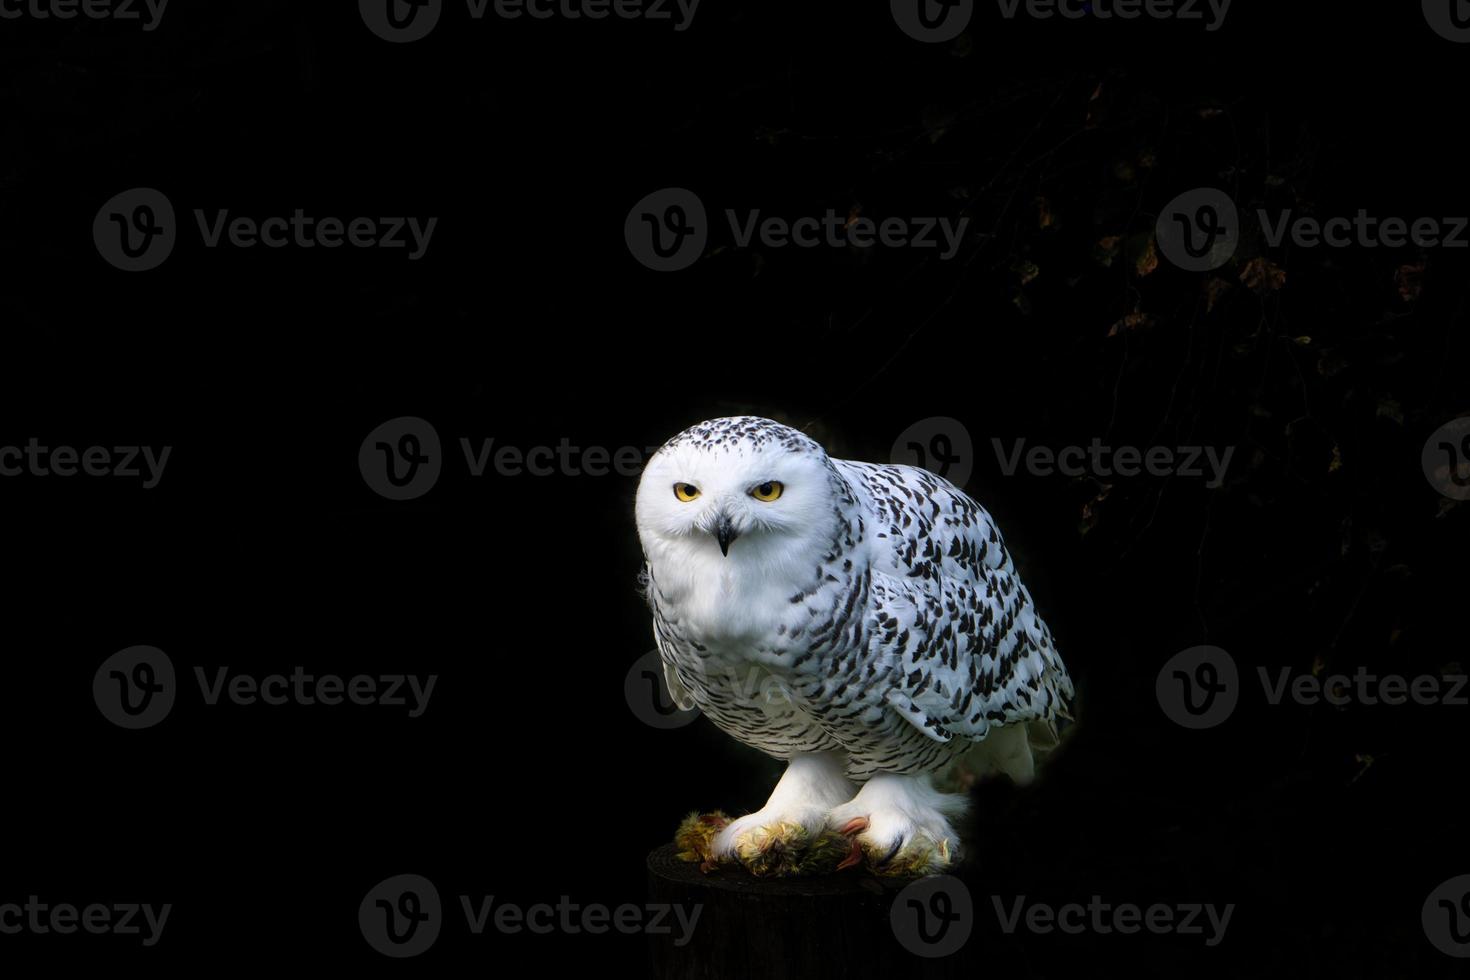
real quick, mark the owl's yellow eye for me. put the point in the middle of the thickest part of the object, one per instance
(686, 491)
(767, 492)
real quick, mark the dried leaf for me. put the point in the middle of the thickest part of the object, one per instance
(1214, 289)
(1389, 408)
(1263, 275)
(1131, 322)
(1092, 510)
(1044, 217)
(1095, 110)
(1410, 281)
(1366, 762)
(1149, 260)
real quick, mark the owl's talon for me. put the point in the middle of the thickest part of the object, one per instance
(914, 857)
(854, 856)
(901, 825)
(906, 857)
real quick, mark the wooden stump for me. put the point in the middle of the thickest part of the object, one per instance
(771, 928)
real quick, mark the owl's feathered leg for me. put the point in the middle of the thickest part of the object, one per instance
(790, 835)
(900, 825)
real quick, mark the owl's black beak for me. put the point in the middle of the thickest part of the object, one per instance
(725, 533)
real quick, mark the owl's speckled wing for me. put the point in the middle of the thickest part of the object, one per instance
(948, 613)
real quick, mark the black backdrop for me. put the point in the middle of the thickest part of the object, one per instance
(529, 321)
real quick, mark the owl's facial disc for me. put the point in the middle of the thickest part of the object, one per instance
(738, 490)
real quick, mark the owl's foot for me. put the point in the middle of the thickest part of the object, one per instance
(779, 848)
(899, 826)
(790, 835)
(790, 845)
(696, 835)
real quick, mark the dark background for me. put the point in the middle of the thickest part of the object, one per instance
(528, 321)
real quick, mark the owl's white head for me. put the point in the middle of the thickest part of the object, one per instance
(737, 499)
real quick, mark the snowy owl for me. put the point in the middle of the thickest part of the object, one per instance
(861, 622)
